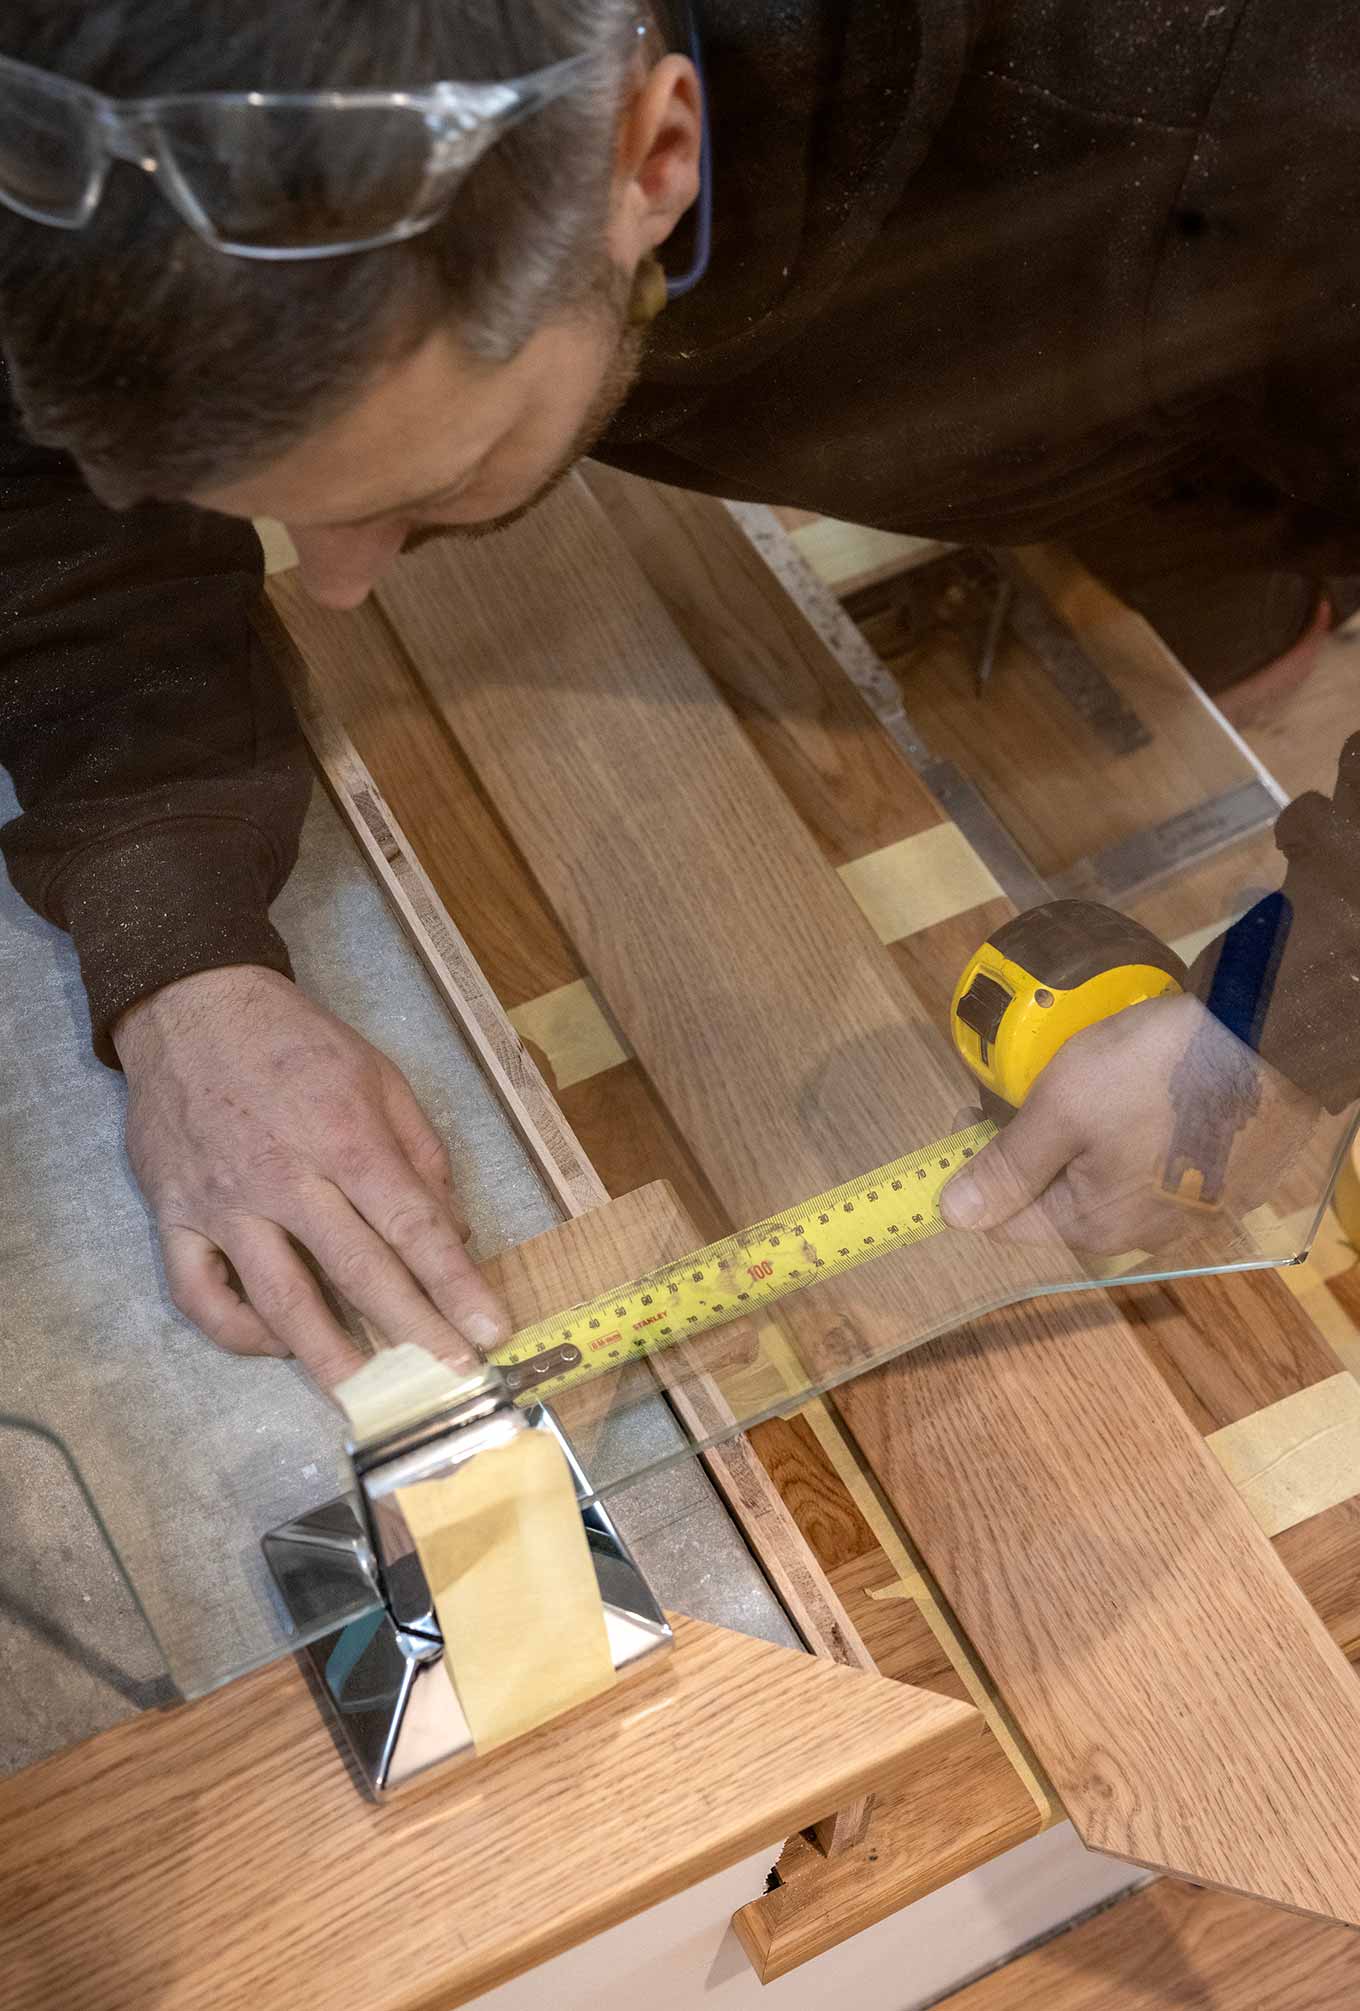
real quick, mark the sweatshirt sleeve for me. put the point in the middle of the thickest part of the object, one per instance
(159, 770)
(1286, 977)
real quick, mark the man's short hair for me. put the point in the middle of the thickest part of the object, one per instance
(165, 365)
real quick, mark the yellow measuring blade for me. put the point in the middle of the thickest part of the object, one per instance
(740, 1274)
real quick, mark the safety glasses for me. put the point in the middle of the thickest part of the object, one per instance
(262, 174)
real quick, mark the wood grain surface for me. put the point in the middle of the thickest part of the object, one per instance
(785, 1043)
(810, 726)
(1170, 1948)
(220, 1858)
(975, 1808)
(1130, 1596)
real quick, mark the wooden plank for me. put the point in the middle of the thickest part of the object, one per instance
(823, 1509)
(631, 1140)
(1172, 1946)
(1321, 1557)
(356, 673)
(208, 1859)
(1124, 1602)
(725, 998)
(917, 1842)
(1270, 1347)
(814, 732)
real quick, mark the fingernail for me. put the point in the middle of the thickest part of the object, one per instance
(961, 1203)
(483, 1332)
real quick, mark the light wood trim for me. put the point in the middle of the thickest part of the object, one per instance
(455, 972)
(220, 1858)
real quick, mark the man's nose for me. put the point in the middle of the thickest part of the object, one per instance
(340, 566)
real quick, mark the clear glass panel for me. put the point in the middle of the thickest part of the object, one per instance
(189, 1457)
(192, 1455)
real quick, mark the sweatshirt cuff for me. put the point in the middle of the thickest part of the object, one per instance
(1286, 985)
(161, 903)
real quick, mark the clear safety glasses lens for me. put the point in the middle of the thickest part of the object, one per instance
(51, 160)
(294, 178)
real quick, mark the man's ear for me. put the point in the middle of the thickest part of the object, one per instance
(656, 175)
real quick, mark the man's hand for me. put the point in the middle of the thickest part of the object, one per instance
(260, 1127)
(1083, 1161)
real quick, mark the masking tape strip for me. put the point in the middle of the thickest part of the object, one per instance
(915, 1582)
(573, 1031)
(927, 878)
(1346, 1199)
(505, 1555)
(280, 553)
(1298, 1456)
(506, 1558)
(838, 551)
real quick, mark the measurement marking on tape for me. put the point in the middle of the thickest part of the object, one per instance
(828, 1234)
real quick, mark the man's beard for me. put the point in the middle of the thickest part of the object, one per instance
(621, 374)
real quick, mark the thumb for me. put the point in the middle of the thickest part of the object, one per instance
(1012, 1171)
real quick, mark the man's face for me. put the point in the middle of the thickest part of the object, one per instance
(440, 445)
(443, 444)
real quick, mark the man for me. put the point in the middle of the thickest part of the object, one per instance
(989, 272)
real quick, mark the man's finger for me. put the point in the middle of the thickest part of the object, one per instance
(424, 1234)
(1014, 1168)
(423, 1146)
(1120, 1222)
(287, 1298)
(370, 1274)
(196, 1272)
(1054, 1219)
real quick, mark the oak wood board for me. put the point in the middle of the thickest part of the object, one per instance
(220, 1858)
(1170, 1946)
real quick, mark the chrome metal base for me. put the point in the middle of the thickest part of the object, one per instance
(386, 1680)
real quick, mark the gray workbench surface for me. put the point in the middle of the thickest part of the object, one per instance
(190, 1453)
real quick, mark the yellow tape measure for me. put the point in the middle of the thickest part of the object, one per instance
(1038, 980)
(740, 1274)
